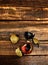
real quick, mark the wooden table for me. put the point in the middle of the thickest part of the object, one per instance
(18, 17)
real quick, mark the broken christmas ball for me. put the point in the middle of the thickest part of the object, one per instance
(27, 48)
(14, 38)
(29, 35)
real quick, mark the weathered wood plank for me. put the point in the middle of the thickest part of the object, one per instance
(20, 23)
(25, 60)
(13, 10)
(32, 3)
(23, 13)
(7, 48)
(39, 28)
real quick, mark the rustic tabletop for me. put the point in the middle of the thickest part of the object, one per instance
(17, 17)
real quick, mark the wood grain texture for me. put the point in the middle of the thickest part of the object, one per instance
(28, 15)
(26, 60)
(7, 48)
(40, 28)
(18, 27)
(31, 3)
(23, 13)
